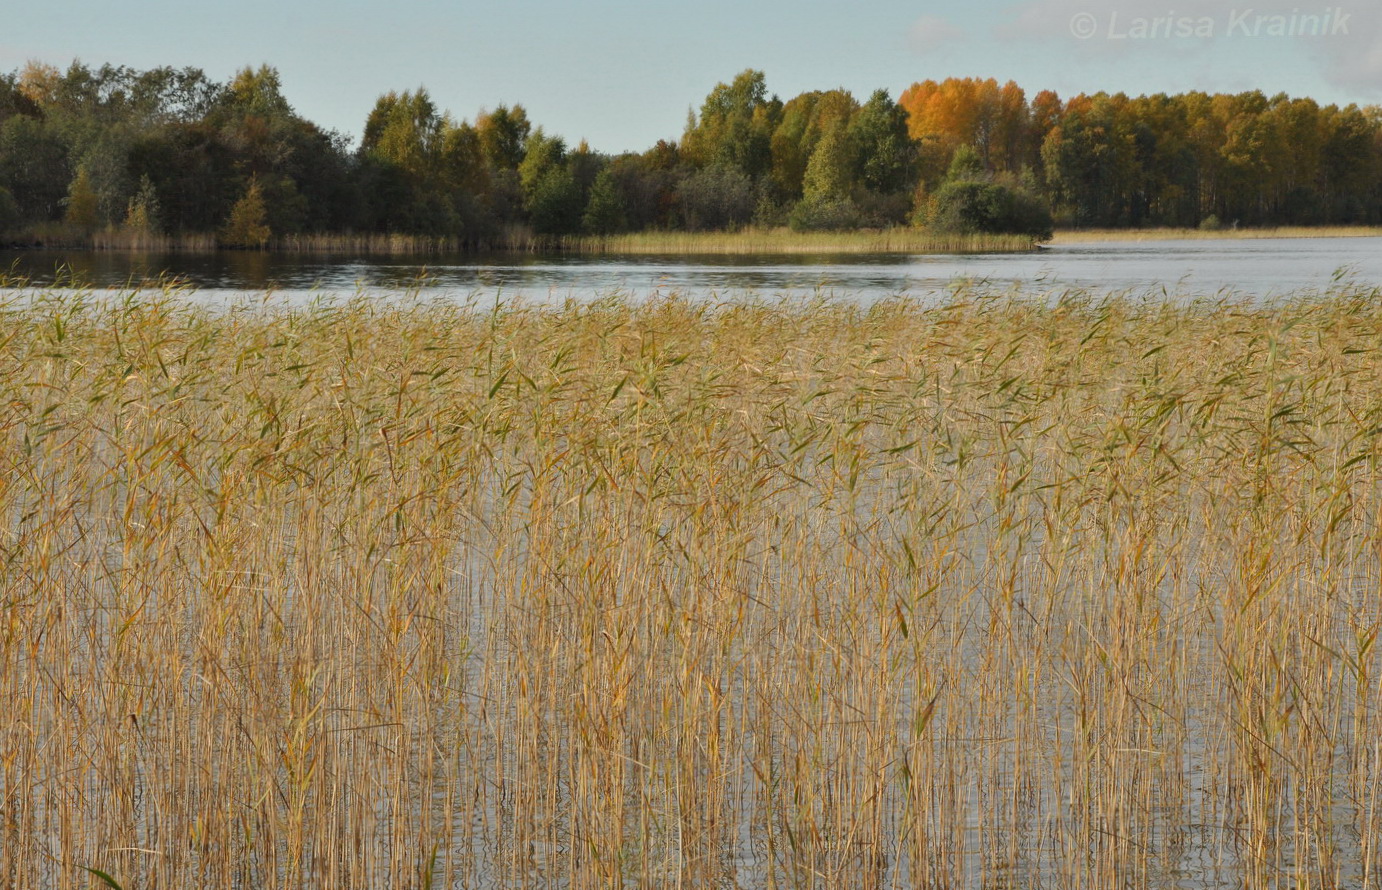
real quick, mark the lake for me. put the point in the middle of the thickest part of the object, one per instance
(979, 598)
(1260, 267)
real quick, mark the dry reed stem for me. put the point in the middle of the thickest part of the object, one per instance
(1047, 591)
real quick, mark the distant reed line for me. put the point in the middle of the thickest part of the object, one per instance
(522, 240)
(1082, 236)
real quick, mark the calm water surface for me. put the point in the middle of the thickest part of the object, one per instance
(1262, 268)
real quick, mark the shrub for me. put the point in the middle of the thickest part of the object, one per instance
(972, 207)
(881, 210)
(824, 215)
(716, 198)
(770, 213)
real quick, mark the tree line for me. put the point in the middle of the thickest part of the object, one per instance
(172, 151)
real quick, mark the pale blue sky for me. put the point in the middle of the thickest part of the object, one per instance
(623, 74)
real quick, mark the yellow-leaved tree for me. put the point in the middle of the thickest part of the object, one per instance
(247, 226)
(82, 204)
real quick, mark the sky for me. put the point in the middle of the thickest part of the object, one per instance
(624, 74)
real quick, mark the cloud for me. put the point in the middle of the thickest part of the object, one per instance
(1353, 62)
(932, 32)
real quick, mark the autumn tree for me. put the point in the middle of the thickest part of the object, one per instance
(994, 120)
(40, 83)
(735, 126)
(142, 215)
(402, 148)
(82, 206)
(829, 172)
(1349, 169)
(802, 122)
(1091, 162)
(821, 159)
(1295, 156)
(503, 133)
(247, 226)
(258, 92)
(15, 101)
(404, 130)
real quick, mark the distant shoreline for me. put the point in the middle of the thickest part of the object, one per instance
(1089, 236)
(747, 242)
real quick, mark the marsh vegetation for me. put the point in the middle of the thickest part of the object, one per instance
(1048, 590)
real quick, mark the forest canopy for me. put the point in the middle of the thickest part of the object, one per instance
(173, 152)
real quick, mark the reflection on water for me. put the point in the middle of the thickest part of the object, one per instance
(1259, 267)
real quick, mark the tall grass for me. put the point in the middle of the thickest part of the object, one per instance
(1081, 236)
(140, 241)
(113, 239)
(1066, 592)
(785, 241)
(521, 239)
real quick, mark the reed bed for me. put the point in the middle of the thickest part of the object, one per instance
(1064, 591)
(1083, 236)
(785, 241)
(59, 236)
(521, 239)
(113, 239)
(141, 241)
